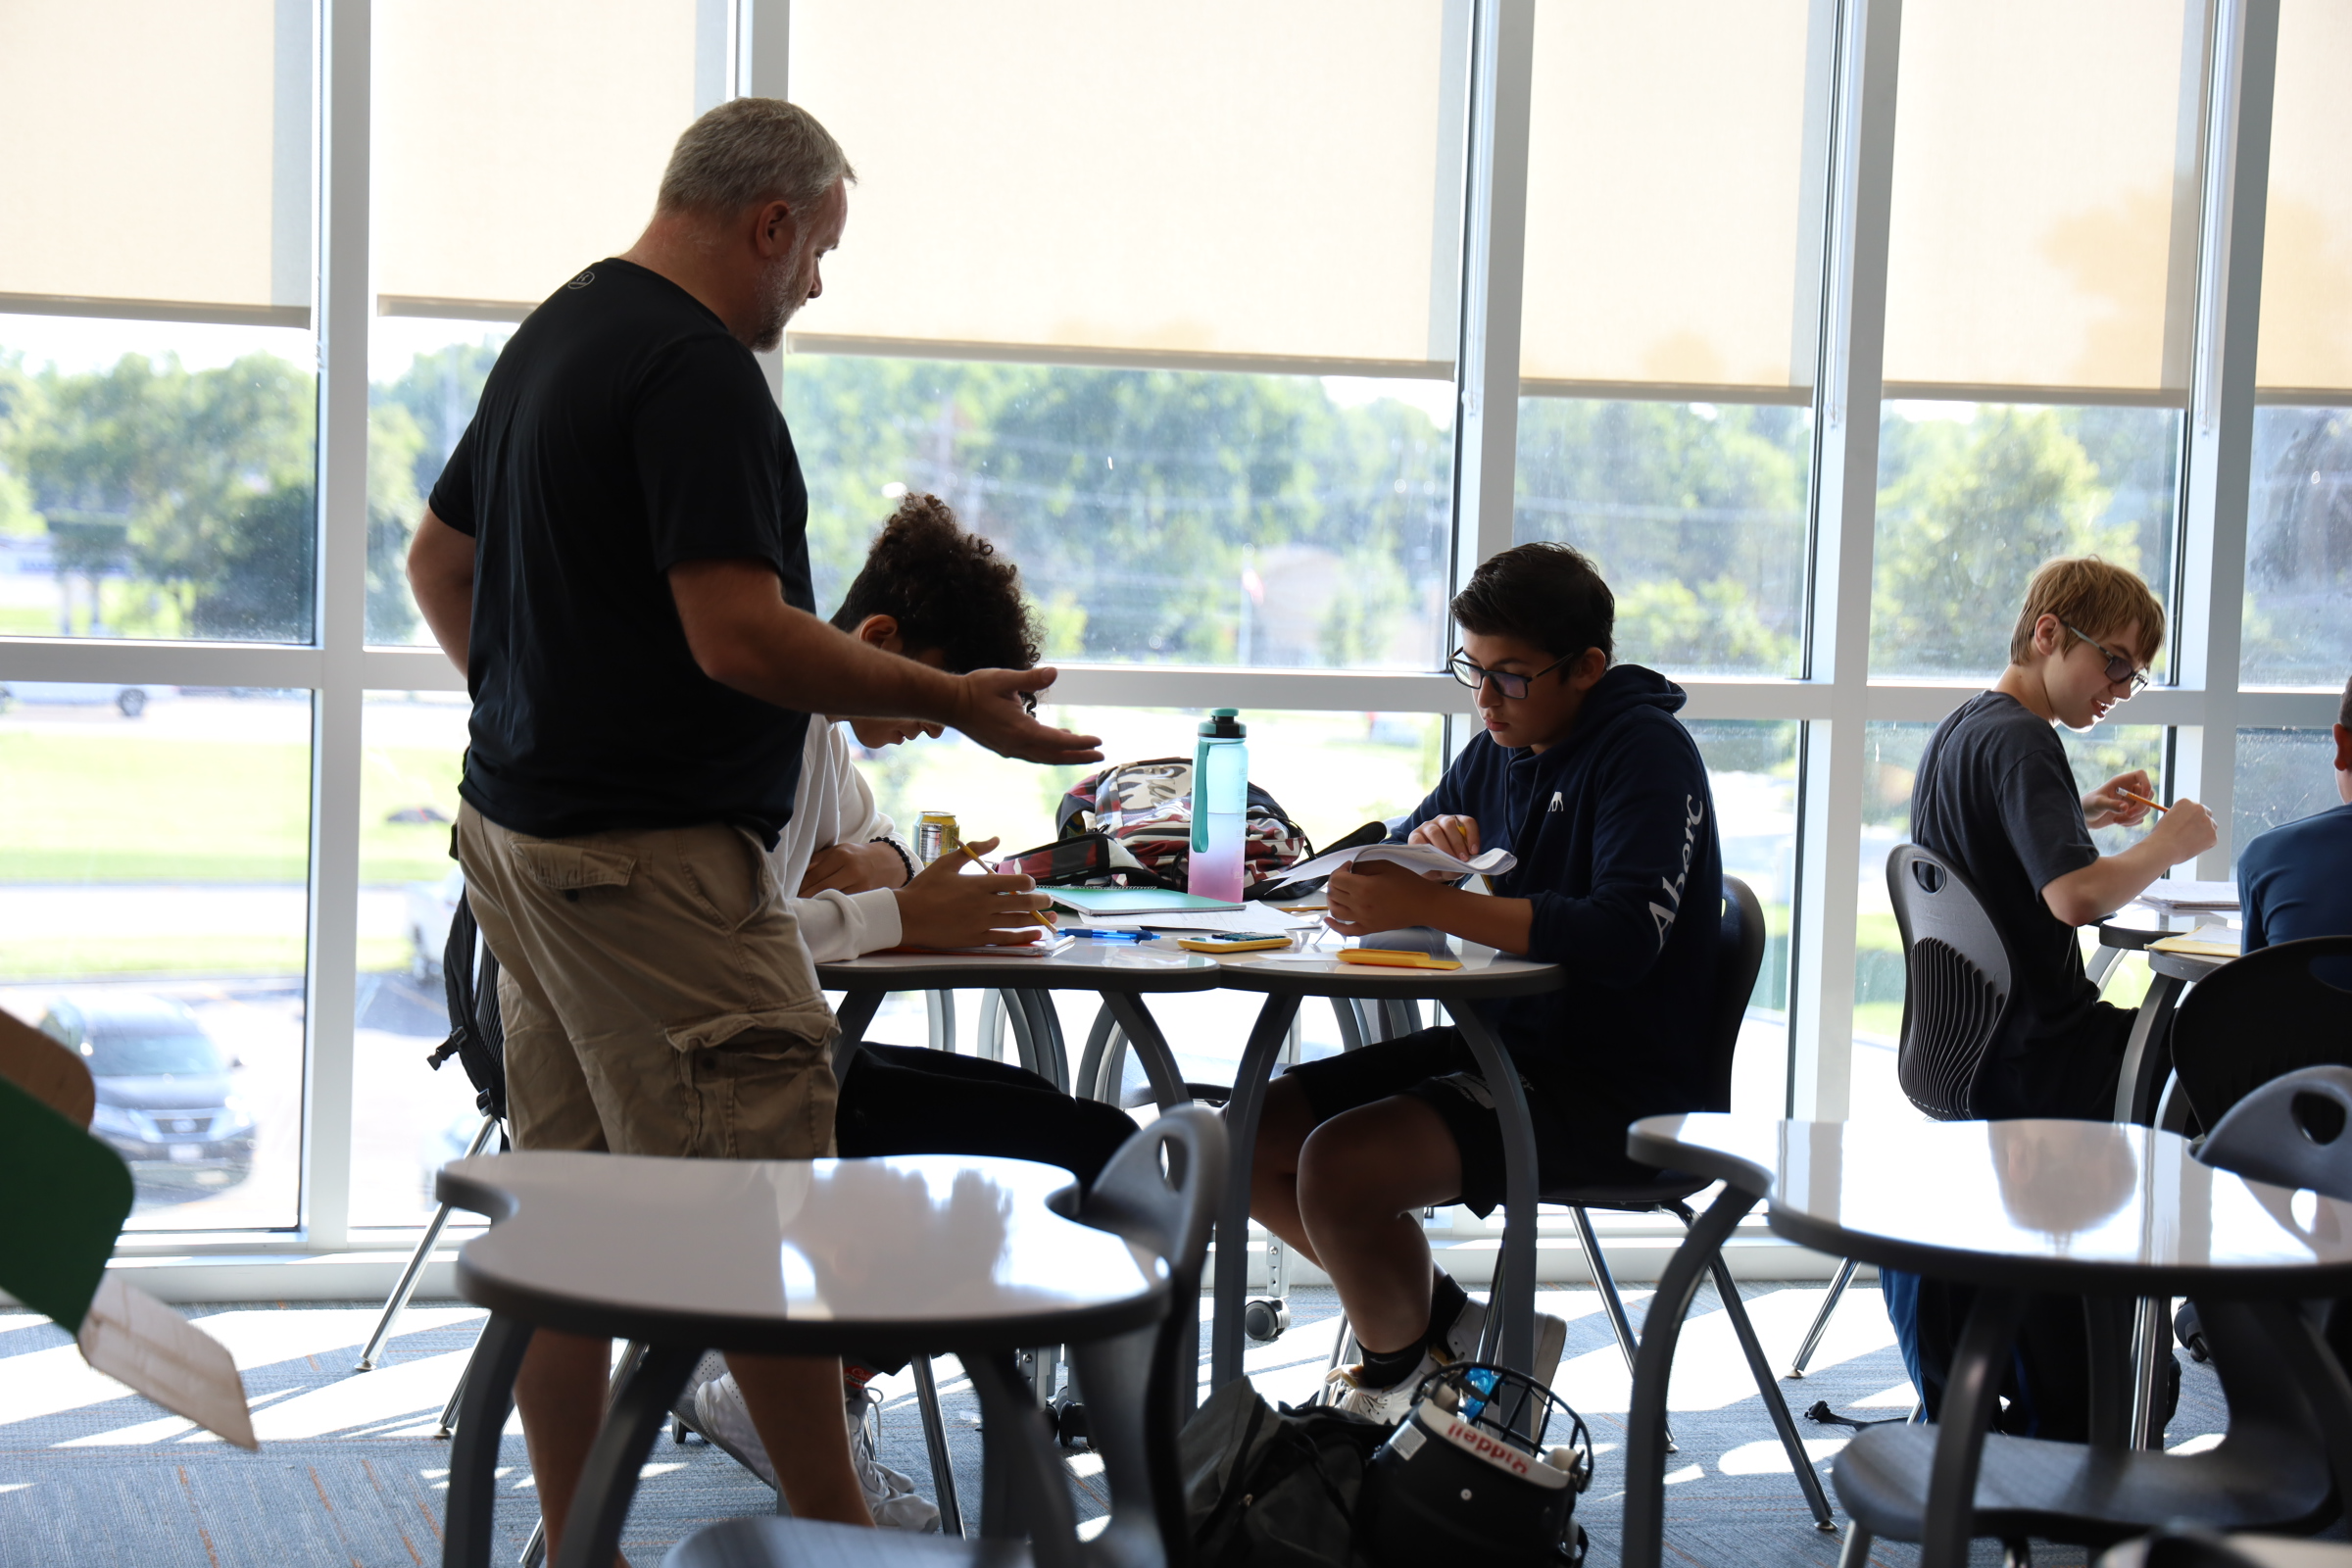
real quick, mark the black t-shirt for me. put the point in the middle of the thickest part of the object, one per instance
(622, 430)
(1995, 797)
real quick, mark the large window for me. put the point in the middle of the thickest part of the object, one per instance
(1212, 319)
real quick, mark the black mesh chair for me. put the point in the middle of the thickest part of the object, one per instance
(1739, 954)
(1159, 1192)
(2258, 1017)
(1956, 974)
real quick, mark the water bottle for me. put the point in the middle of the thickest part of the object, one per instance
(1220, 805)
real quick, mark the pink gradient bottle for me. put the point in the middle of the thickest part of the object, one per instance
(1220, 805)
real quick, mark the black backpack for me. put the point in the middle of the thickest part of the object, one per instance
(476, 1036)
(1275, 1488)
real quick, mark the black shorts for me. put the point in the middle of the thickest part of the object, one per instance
(1579, 1139)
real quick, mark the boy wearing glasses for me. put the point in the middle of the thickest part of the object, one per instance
(1996, 796)
(1584, 775)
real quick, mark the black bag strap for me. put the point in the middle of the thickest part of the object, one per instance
(477, 1035)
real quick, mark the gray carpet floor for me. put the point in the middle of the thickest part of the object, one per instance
(350, 1471)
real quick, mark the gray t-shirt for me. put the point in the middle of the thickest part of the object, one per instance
(1995, 797)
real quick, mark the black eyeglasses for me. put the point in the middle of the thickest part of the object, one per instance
(1513, 686)
(2120, 666)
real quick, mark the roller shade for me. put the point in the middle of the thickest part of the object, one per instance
(2306, 342)
(516, 141)
(1212, 182)
(1674, 194)
(158, 158)
(2044, 219)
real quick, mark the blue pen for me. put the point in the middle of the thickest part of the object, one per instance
(1110, 935)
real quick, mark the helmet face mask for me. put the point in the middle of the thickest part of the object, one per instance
(1466, 1469)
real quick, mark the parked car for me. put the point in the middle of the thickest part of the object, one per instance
(129, 701)
(164, 1099)
(432, 906)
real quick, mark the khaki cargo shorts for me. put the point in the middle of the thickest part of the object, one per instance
(658, 999)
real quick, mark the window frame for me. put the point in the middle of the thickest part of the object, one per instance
(1834, 698)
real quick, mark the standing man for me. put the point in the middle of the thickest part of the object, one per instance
(616, 555)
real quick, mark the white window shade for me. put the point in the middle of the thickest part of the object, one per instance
(516, 141)
(158, 159)
(2043, 227)
(1673, 197)
(2306, 343)
(1221, 183)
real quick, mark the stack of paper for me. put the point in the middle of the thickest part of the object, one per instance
(2206, 942)
(2168, 893)
(1412, 857)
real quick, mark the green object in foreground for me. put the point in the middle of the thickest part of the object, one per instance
(63, 1197)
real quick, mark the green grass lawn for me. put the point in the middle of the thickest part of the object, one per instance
(107, 806)
(193, 954)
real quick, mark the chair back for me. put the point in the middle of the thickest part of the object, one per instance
(2290, 1132)
(1738, 957)
(1159, 1192)
(2270, 1013)
(1957, 977)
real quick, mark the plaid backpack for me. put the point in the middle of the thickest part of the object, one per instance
(1147, 808)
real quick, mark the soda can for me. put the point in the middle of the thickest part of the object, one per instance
(935, 835)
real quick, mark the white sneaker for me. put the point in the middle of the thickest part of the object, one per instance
(1389, 1406)
(1552, 1338)
(891, 1498)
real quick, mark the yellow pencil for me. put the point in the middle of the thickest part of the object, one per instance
(2143, 800)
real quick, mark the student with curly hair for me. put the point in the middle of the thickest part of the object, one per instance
(933, 592)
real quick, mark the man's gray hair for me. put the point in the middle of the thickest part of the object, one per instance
(751, 150)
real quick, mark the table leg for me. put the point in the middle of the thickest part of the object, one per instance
(1045, 1036)
(2147, 1055)
(1249, 1079)
(935, 1443)
(1517, 1302)
(2151, 1339)
(853, 1016)
(473, 1456)
(1971, 1391)
(639, 1410)
(1647, 1443)
(1022, 1491)
(1090, 1066)
(1151, 1048)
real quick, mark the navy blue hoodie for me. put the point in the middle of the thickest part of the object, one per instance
(1615, 834)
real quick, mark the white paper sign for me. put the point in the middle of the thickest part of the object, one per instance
(137, 1340)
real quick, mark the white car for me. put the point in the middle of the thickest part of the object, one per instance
(129, 701)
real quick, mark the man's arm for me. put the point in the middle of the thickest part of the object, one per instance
(2112, 881)
(441, 576)
(744, 635)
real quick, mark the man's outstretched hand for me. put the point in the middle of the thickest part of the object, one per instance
(992, 711)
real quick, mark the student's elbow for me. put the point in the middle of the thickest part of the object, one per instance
(2073, 903)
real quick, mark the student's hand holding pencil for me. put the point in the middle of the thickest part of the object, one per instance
(944, 908)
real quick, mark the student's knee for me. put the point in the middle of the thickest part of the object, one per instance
(1371, 1162)
(1284, 1123)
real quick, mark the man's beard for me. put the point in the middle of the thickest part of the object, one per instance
(780, 299)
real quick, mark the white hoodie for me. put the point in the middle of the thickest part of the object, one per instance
(833, 806)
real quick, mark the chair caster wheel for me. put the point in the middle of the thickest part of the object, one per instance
(1070, 1427)
(1264, 1318)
